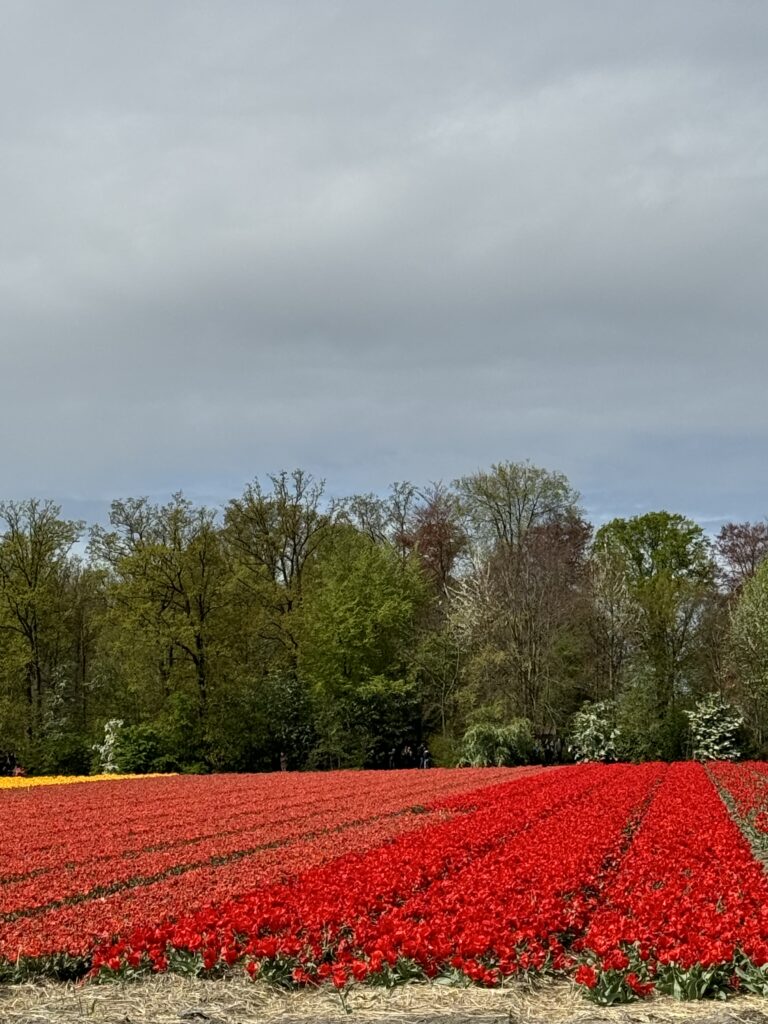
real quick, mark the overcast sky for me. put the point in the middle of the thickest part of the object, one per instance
(385, 240)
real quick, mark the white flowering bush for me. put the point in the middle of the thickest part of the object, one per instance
(714, 725)
(594, 734)
(105, 752)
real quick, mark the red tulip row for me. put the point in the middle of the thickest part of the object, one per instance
(687, 911)
(357, 814)
(100, 866)
(45, 829)
(630, 879)
(747, 785)
(487, 894)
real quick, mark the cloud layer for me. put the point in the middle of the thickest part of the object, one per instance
(385, 241)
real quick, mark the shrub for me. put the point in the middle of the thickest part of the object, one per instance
(446, 751)
(138, 749)
(486, 745)
(69, 754)
(714, 726)
(594, 733)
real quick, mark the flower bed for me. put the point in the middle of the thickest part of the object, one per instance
(95, 860)
(687, 911)
(628, 879)
(31, 781)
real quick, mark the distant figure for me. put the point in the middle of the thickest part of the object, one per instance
(283, 762)
(407, 756)
(420, 753)
(391, 757)
(426, 757)
(18, 772)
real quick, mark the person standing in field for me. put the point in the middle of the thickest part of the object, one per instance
(283, 761)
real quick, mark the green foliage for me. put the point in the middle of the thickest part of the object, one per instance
(669, 573)
(748, 650)
(660, 544)
(446, 751)
(674, 735)
(139, 749)
(502, 505)
(695, 982)
(183, 739)
(70, 753)
(254, 720)
(334, 631)
(364, 723)
(643, 733)
(357, 639)
(714, 726)
(487, 744)
(594, 733)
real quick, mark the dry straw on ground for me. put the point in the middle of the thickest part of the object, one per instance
(174, 1000)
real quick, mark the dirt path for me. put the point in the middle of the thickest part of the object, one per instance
(174, 1000)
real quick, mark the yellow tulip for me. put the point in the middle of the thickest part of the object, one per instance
(22, 781)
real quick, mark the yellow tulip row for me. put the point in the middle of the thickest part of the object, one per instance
(23, 781)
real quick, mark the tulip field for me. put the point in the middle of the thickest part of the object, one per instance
(628, 879)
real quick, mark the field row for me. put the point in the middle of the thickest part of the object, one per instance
(87, 861)
(32, 781)
(630, 879)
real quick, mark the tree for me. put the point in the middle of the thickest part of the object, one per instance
(615, 619)
(525, 607)
(167, 573)
(594, 733)
(273, 536)
(359, 630)
(714, 728)
(487, 745)
(749, 652)
(36, 566)
(437, 535)
(502, 505)
(669, 572)
(741, 548)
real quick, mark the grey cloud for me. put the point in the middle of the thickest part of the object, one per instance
(385, 241)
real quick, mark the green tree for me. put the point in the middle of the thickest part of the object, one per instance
(359, 631)
(748, 648)
(594, 732)
(714, 726)
(488, 744)
(273, 537)
(502, 505)
(670, 574)
(167, 598)
(36, 570)
(614, 624)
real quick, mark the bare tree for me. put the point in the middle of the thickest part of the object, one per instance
(740, 548)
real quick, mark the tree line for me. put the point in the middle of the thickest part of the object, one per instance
(335, 632)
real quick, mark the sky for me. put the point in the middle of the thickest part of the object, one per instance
(385, 241)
